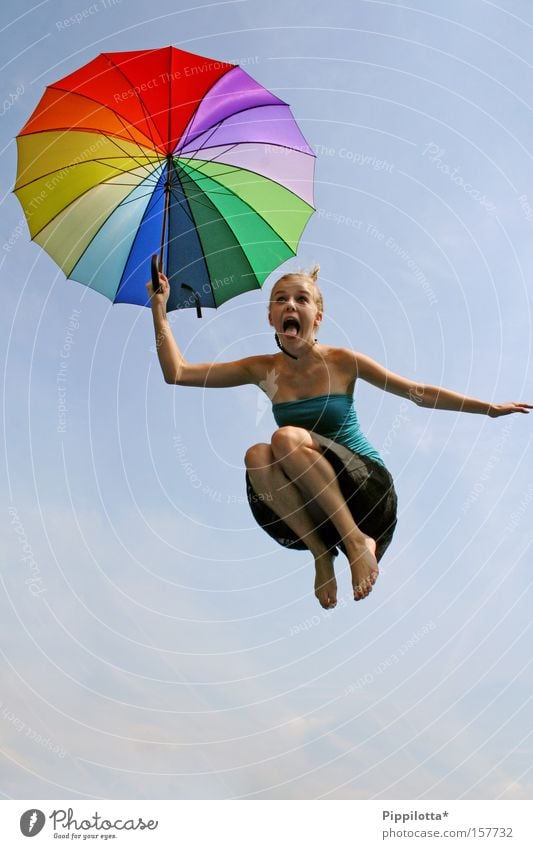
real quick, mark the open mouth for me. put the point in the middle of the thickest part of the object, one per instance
(291, 326)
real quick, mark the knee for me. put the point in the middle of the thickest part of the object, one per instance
(258, 456)
(285, 440)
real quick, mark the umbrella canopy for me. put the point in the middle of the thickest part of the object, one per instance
(163, 151)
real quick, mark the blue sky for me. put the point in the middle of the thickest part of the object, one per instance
(155, 643)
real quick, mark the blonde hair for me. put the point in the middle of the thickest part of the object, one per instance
(312, 276)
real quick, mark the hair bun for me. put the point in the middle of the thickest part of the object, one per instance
(314, 272)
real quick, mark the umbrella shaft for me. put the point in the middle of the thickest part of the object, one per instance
(165, 213)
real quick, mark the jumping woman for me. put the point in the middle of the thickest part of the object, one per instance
(318, 484)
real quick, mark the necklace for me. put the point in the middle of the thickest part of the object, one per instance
(280, 346)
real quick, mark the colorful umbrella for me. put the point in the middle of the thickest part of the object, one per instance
(163, 151)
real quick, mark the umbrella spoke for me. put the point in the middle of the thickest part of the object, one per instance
(148, 117)
(214, 129)
(130, 155)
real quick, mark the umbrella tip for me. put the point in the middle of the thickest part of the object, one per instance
(196, 298)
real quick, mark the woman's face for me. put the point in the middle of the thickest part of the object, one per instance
(294, 312)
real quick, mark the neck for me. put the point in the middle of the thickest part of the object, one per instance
(288, 353)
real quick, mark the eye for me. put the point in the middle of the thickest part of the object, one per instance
(303, 298)
(280, 299)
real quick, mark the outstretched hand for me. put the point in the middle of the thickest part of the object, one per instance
(164, 290)
(511, 407)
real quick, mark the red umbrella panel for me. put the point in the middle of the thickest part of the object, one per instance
(164, 151)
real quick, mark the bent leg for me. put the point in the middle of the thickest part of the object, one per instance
(287, 502)
(301, 460)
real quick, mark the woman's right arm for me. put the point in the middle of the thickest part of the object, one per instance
(175, 367)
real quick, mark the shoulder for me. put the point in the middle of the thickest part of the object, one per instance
(260, 366)
(355, 364)
(344, 359)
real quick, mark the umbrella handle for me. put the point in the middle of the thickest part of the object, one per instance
(155, 274)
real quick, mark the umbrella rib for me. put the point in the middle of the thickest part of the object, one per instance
(147, 115)
(252, 142)
(143, 165)
(113, 140)
(233, 168)
(256, 212)
(249, 171)
(149, 172)
(201, 193)
(225, 221)
(93, 237)
(259, 143)
(204, 96)
(185, 206)
(75, 164)
(230, 169)
(196, 198)
(183, 203)
(117, 290)
(215, 128)
(64, 168)
(248, 109)
(90, 189)
(125, 125)
(183, 200)
(228, 149)
(127, 199)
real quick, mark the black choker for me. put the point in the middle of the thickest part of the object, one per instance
(280, 346)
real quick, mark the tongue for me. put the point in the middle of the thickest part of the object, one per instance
(291, 331)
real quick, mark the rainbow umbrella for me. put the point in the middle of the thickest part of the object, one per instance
(164, 152)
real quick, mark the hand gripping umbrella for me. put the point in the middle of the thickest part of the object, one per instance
(165, 153)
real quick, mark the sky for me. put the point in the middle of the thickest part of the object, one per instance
(154, 642)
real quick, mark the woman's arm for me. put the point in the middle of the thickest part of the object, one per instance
(426, 395)
(175, 367)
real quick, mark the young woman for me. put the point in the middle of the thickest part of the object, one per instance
(318, 483)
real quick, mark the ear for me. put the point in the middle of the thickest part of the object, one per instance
(318, 318)
(270, 319)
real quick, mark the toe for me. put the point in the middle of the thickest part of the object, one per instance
(327, 597)
(362, 590)
(323, 599)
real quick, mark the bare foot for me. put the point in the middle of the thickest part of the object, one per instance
(325, 582)
(364, 567)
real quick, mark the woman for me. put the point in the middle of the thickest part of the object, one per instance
(319, 483)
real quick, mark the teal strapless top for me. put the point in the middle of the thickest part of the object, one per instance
(332, 416)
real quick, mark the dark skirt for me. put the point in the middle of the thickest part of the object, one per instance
(367, 487)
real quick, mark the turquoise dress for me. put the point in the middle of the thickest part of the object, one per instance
(332, 416)
(363, 478)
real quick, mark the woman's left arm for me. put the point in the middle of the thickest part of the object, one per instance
(426, 395)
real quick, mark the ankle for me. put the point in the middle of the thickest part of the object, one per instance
(355, 542)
